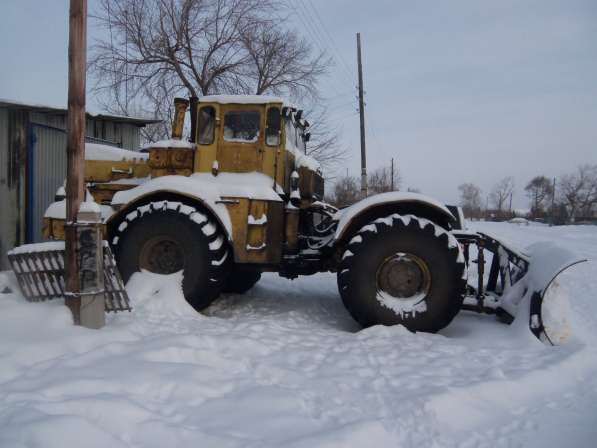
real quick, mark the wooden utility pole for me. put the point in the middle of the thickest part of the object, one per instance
(362, 119)
(75, 148)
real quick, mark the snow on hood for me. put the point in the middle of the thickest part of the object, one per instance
(95, 151)
(171, 143)
(307, 161)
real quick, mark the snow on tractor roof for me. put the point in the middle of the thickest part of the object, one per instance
(242, 99)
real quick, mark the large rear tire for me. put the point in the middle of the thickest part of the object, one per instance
(167, 237)
(403, 270)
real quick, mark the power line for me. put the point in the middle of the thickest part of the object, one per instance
(314, 20)
(333, 42)
(314, 41)
(310, 24)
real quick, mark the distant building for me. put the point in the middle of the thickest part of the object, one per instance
(33, 163)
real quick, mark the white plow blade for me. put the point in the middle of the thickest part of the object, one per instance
(549, 307)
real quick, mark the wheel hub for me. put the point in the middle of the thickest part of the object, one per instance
(162, 255)
(403, 276)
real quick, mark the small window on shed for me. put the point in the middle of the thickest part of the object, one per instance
(272, 133)
(241, 126)
(207, 125)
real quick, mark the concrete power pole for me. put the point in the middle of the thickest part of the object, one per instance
(83, 259)
(392, 172)
(553, 203)
(362, 119)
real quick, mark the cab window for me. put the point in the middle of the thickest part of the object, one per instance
(241, 126)
(207, 125)
(272, 133)
(290, 135)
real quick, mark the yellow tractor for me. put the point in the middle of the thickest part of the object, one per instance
(241, 197)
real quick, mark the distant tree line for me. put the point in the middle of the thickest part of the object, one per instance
(570, 198)
(347, 189)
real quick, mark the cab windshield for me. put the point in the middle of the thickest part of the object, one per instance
(241, 126)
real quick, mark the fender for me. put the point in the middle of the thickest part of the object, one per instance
(361, 213)
(208, 190)
(171, 188)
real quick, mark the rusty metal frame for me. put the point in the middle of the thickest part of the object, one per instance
(41, 277)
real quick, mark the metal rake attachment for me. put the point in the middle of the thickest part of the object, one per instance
(40, 274)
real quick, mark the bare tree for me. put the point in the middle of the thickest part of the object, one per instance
(380, 180)
(280, 62)
(325, 145)
(501, 193)
(539, 189)
(194, 43)
(470, 200)
(158, 49)
(578, 191)
(346, 192)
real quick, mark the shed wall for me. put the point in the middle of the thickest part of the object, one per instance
(48, 170)
(7, 196)
(33, 166)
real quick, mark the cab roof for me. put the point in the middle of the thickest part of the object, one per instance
(242, 99)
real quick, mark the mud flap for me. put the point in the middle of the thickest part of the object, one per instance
(548, 307)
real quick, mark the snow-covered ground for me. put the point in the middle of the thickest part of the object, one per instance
(286, 366)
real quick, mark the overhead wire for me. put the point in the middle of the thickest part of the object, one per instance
(314, 21)
(349, 70)
(318, 39)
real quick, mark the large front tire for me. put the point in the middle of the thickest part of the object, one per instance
(167, 237)
(403, 270)
(241, 280)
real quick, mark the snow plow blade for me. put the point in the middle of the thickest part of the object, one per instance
(520, 284)
(548, 309)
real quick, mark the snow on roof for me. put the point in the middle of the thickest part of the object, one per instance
(62, 110)
(241, 99)
(95, 151)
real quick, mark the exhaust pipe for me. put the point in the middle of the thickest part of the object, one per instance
(193, 101)
(180, 108)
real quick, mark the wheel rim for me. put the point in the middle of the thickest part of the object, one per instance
(404, 276)
(162, 255)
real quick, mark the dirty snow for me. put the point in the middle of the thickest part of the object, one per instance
(285, 365)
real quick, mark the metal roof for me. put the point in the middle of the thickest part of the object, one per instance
(60, 110)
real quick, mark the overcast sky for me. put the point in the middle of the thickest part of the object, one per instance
(458, 91)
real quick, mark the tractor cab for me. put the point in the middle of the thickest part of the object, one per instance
(242, 134)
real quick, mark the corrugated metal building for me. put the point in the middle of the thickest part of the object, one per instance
(33, 163)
